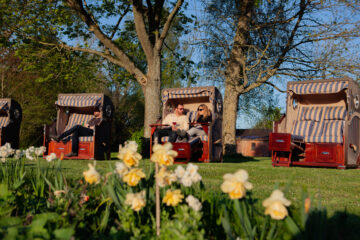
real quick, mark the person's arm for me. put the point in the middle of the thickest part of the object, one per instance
(185, 123)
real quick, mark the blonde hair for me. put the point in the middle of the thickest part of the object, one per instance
(206, 112)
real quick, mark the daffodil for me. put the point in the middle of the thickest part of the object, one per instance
(136, 200)
(165, 178)
(91, 175)
(129, 154)
(121, 169)
(236, 184)
(179, 171)
(173, 198)
(194, 203)
(51, 157)
(163, 154)
(133, 177)
(276, 204)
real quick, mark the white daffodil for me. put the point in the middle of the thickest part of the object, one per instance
(236, 184)
(276, 204)
(194, 203)
(51, 157)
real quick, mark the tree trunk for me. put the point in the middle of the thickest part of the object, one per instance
(231, 100)
(152, 94)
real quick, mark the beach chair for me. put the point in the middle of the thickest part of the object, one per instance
(206, 148)
(78, 109)
(10, 121)
(321, 126)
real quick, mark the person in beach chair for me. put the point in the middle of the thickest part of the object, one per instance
(177, 125)
(203, 116)
(80, 131)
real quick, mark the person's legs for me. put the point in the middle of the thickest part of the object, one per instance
(68, 132)
(80, 131)
(196, 132)
(159, 133)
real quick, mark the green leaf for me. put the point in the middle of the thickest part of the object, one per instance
(291, 225)
(64, 233)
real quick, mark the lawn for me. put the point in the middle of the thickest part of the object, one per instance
(337, 190)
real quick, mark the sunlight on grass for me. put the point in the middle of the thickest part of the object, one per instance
(337, 190)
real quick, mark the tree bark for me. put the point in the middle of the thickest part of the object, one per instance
(231, 100)
(152, 93)
(235, 76)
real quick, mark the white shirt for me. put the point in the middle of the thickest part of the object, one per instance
(182, 122)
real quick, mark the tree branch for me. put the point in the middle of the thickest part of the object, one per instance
(119, 21)
(122, 58)
(159, 41)
(274, 86)
(144, 39)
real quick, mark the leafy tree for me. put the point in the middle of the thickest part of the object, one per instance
(268, 115)
(263, 41)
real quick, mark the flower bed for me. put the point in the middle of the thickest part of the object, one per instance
(126, 202)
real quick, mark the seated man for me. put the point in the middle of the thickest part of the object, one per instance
(179, 125)
(80, 131)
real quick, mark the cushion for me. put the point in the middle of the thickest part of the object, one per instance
(316, 132)
(77, 119)
(311, 113)
(192, 116)
(302, 128)
(86, 139)
(4, 121)
(335, 113)
(332, 131)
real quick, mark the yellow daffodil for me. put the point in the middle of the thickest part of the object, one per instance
(133, 177)
(173, 198)
(276, 204)
(165, 178)
(136, 200)
(163, 154)
(129, 154)
(236, 184)
(91, 175)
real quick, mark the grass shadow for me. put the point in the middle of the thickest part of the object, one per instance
(238, 158)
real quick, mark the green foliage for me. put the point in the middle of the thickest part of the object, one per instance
(268, 115)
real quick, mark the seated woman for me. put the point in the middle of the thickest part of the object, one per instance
(203, 116)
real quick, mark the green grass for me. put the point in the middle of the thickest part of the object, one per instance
(337, 190)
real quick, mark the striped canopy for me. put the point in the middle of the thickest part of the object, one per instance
(177, 93)
(4, 105)
(318, 87)
(79, 101)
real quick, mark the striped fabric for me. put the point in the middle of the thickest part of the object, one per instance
(4, 121)
(188, 93)
(315, 133)
(302, 128)
(192, 116)
(165, 139)
(204, 138)
(332, 131)
(318, 87)
(335, 113)
(311, 113)
(78, 119)
(78, 101)
(4, 105)
(86, 139)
